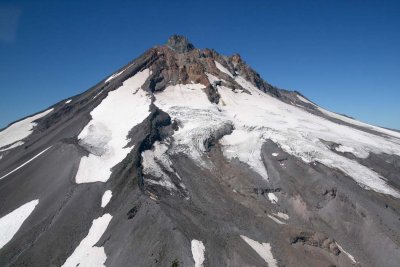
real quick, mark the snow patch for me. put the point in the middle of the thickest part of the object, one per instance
(275, 219)
(198, 252)
(23, 164)
(97, 95)
(212, 79)
(106, 198)
(10, 224)
(86, 254)
(105, 136)
(223, 69)
(115, 75)
(273, 198)
(348, 254)
(244, 144)
(16, 144)
(281, 215)
(20, 130)
(262, 249)
(68, 101)
(275, 154)
(304, 100)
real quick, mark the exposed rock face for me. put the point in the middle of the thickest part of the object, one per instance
(220, 168)
(179, 44)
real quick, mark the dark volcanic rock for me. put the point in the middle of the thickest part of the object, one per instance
(179, 44)
(190, 173)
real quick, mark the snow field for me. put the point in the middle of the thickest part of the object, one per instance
(10, 224)
(105, 136)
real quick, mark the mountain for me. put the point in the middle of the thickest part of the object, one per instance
(185, 157)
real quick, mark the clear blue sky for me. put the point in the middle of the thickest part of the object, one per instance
(344, 55)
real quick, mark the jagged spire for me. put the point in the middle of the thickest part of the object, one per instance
(179, 44)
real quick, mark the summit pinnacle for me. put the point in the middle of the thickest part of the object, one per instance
(180, 44)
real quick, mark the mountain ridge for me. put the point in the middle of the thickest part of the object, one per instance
(184, 156)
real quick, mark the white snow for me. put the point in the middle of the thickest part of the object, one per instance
(198, 252)
(68, 101)
(20, 130)
(359, 123)
(299, 133)
(352, 121)
(198, 119)
(275, 219)
(244, 145)
(281, 215)
(10, 224)
(223, 69)
(23, 164)
(87, 254)
(345, 149)
(273, 198)
(304, 100)
(275, 154)
(16, 144)
(105, 136)
(106, 198)
(115, 75)
(262, 249)
(212, 78)
(256, 117)
(345, 252)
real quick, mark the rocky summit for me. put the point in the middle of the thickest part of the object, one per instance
(185, 157)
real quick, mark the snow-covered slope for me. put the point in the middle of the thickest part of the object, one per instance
(185, 157)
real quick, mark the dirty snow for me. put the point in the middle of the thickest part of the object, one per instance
(10, 224)
(106, 198)
(20, 130)
(23, 164)
(87, 254)
(105, 136)
(262, 249)
(198, 252)
(154, 162)
(345, 252)
(223, 69)
(198, 119)
(273, 198)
